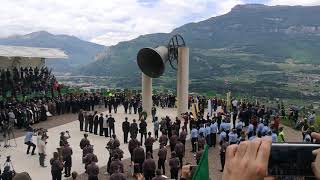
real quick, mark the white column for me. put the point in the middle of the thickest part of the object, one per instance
(183, 80)
(147, 94)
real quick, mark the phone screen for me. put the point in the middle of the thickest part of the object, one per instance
(291, 159)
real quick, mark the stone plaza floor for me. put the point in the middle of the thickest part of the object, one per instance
(23, 162)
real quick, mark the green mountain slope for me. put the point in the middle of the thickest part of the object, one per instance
(234, 51)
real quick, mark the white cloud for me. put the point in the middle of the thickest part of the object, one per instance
(294, 2)
(105, 21)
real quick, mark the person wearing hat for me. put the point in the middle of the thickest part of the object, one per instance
(139, 156)
(56, 167)
(116, 162)
(126, 130)
(149, 167)
(67, 158)
(149, 144)
(162, 154)
(174, 165)
(92, 171)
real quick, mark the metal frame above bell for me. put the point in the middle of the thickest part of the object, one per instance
(151, 61)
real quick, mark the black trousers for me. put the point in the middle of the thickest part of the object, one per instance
(111, 129)
(125, 137)
(172, 146)
(174, 173)
(149, 149)
(41, 159)
(156, 134)
(81, 125)
(67, 166)
(93, 178)
(106, 133)
(100, 129)
(222, 159)
(148, 175)
(56, 175)
(181, 160)
(90, 127)
(162, 166)
(213, 139)
(145, 137)
(95, 128)
(29, 143)
(194, 145)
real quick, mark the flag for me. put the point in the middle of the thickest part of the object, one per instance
(202, 171)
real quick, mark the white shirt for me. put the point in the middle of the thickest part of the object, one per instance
(42, 147)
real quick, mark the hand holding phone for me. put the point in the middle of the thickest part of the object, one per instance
(292, 159)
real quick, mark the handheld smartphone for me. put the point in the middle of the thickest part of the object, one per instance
(291, 159)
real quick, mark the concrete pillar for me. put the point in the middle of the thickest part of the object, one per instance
(147, 94)
(183, 80)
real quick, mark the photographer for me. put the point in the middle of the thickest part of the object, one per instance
(28, 140)
(7, 173)
(42, 150)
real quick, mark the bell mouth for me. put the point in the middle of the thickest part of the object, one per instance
(150, 62)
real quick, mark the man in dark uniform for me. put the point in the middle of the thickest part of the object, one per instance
(162, 154)
(174, 165)
(84, 141)
(110, 103)
(163, 139)
(183, 136)
(92, 171)
(173, 141)
(101, 130)
(111, 124)
(134, 128)
(117, 175)
(56, 167)
(139, 156)
(179, 149)
(81, 119)
(143, 130)
(116, 163)
(149, 143)
(95, 123)
(126, 105)
(159, 175)
(89, 158)
(90, 118)
(149, 167)
(133, 143)
(125, 129)
(67, 153)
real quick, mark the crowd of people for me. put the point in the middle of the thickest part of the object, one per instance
(25, 80)
(221, 126)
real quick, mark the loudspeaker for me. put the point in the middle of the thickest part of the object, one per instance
(152, 61)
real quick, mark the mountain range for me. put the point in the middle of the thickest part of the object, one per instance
(254, 49)
(80, 52)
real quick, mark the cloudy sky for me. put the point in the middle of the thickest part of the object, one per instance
(111, 21)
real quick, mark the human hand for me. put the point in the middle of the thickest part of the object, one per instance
(139, 176)
(249, 160)
(316, 165)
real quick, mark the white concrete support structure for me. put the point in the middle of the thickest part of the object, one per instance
(147, 94)
(183, 80)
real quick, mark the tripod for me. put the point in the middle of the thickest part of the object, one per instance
(8, 135)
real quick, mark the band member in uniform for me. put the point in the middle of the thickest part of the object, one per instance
(134, 128)
(111, 124)
(67, 153)
(125, 129)
(143, 130)
(149, 167)
(139, 156)
(174, 165)
(95, 123)
(81, 119)
(179, 149)
(162, 154)
(101, 129)
(116, 162)
(56, 167)
(92, 171)
(163, 139)
(133, 143)
(149, 143)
